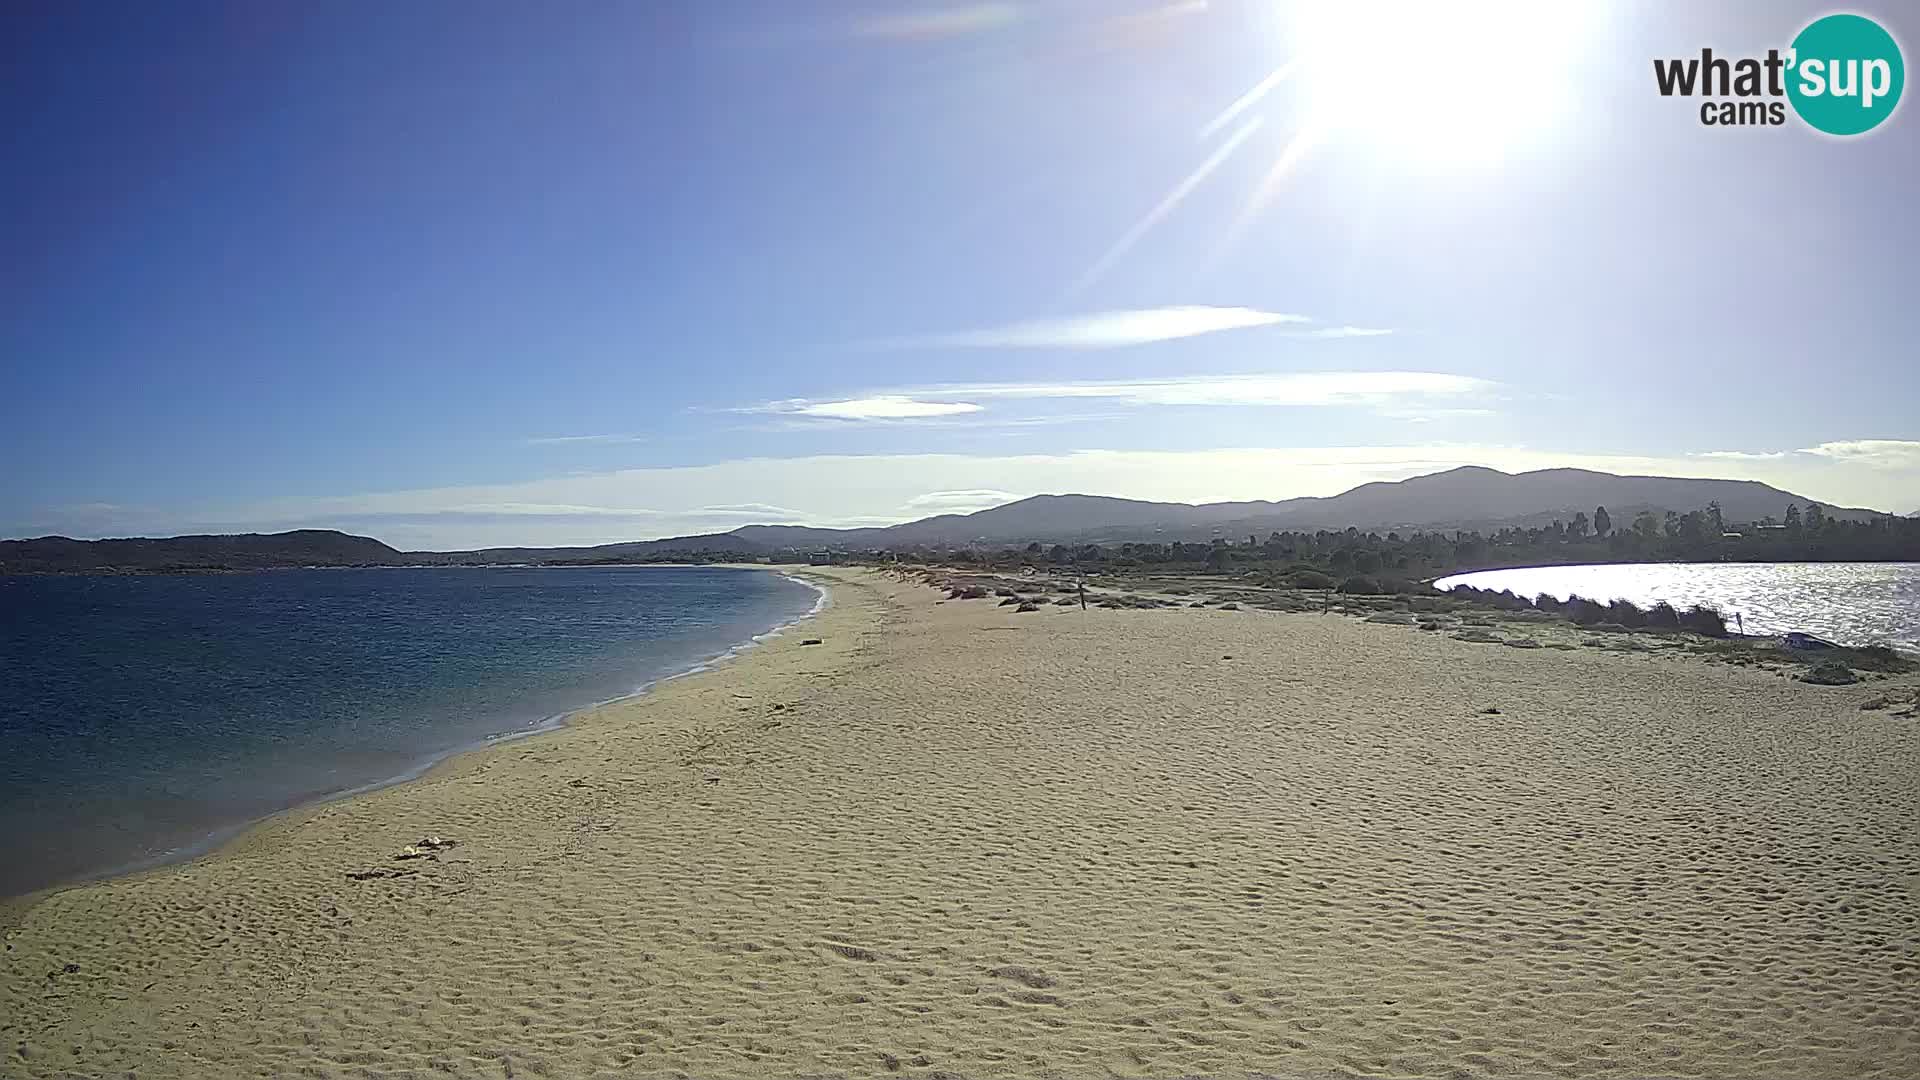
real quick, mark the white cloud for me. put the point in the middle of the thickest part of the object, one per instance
(1303, 388)
(1104, 329)
(1742, 455)
(960, 502)
(1348, 331)
(1875, 453)
(555, 440)
(757, 511)
(1295, 388)
(883, 407)
(533, 509)
(847, 490)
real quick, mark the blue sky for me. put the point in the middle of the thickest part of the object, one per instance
(473, 274)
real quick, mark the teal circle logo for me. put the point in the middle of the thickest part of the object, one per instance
(1846, 74)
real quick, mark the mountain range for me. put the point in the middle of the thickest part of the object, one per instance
(1464, 498)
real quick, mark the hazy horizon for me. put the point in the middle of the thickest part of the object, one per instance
(470, 276)
(971, 497)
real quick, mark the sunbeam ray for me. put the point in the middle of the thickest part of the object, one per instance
(1164, 207)
(1247, 100)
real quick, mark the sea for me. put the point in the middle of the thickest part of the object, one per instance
(1848, 603)
(148, 718)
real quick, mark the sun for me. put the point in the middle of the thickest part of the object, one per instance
(1434, 84)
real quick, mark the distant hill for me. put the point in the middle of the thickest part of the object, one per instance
(703, 544)
(248, 551)
(1469, 497)
(1465, 498)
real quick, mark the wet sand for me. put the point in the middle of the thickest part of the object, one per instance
(956, 839)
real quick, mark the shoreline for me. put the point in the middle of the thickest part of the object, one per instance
(11, 906)
(958, 839)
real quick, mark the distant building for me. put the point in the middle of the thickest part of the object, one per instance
(1771, 528)
(819, 558)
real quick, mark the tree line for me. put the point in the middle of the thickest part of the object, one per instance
(1806, 534)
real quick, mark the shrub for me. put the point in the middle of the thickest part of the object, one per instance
(1871, 658)
(1547, 602)
(1662, 616)
(1626, 613)
(1004, 592)
(1830, 673)
(1583, 611)
(1310, 579)
(974, 592)
(1358, 584)
(1703, 620)
(1009, 600)
(1027, 605)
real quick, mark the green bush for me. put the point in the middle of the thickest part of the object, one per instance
(1361, 585)
(1310, 579)
(1703, 620)
(1831, 673)
(1626, 613)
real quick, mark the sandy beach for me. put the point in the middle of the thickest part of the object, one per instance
(954, 839)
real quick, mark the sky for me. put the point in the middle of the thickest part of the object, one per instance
(458, 275)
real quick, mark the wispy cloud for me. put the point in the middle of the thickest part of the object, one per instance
(1290, 388)
(540, 509)
(960, 502)
(878, 407)
(1872, 453)
(933, 23)
(1103, 329)
(1306, 388)
(760, 510)
(1875, 453)
(1742, 455)
(556, 440)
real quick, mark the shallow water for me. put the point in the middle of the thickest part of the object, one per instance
(143, 718)
(1851, 603)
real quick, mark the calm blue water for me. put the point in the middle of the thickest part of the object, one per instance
(143, 718)
(1851, 603)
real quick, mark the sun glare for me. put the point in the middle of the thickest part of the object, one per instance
(1433, 84)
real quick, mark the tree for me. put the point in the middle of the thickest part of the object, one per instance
(1793, 517)
(1693, 528)
(1672, 526)
(1579, 527)
(1646, 525)
(1816, 517)
(1718, 524)
(1602, 524)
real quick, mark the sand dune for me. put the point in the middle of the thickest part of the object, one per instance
(956, 839)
